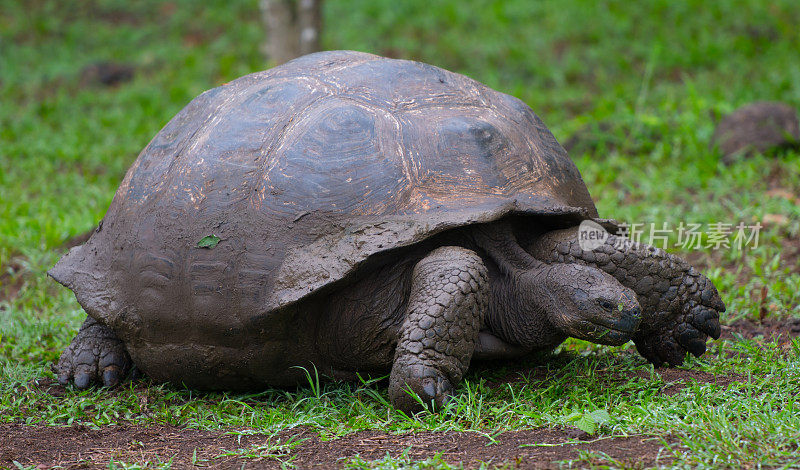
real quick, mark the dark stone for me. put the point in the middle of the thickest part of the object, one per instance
(756, 127)
(106, 74)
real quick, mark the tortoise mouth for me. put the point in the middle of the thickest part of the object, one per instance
(626, 320)
(609, 335)
(622, 329)
(613, 332)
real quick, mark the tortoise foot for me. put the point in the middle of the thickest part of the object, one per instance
(671, 340)
(449, 295)
(672, 336)
(419, 386)
(95, 356)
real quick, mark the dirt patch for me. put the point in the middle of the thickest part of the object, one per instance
(115, 16)
(10, 280)
(790, 253)
(780, 331)
(538, 448)
(12, 277)
(82, 447)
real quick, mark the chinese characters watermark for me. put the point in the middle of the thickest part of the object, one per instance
(687, 236)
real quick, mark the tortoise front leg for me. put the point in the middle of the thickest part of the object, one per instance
(94, 355)
(680, 306)
(448, 300)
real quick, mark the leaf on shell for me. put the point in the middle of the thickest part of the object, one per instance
(209, 241)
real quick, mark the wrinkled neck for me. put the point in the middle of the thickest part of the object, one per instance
(498, 241)
(517, 312)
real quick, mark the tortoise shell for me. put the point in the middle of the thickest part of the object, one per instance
(304, 172)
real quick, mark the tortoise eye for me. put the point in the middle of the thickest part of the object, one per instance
(606, 305)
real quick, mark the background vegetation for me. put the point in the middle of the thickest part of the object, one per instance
(638, 85)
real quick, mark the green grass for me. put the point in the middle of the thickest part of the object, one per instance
(656, 74)
(402, 463)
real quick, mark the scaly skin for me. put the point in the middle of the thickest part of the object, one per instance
(680, 306)
(429, 332)
(537, 305)
(449, 298)
(94, 354)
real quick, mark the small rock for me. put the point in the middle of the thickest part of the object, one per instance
(106, 73)
(575, 433)
(756, 127)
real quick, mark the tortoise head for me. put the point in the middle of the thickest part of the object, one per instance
(586, 303)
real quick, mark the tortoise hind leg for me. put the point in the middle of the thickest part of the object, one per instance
(94, 355)
(448, 300)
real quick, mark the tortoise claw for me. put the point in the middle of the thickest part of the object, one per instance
(111, 376)
(706, 319)
(692, 340)
(83, 378)
(670, 352)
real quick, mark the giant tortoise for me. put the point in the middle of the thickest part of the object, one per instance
(360, 215)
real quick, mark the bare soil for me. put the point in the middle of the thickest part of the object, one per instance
(105, 73)
(12, 277)
(779, 331)
(81, 447)
(10, 281)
